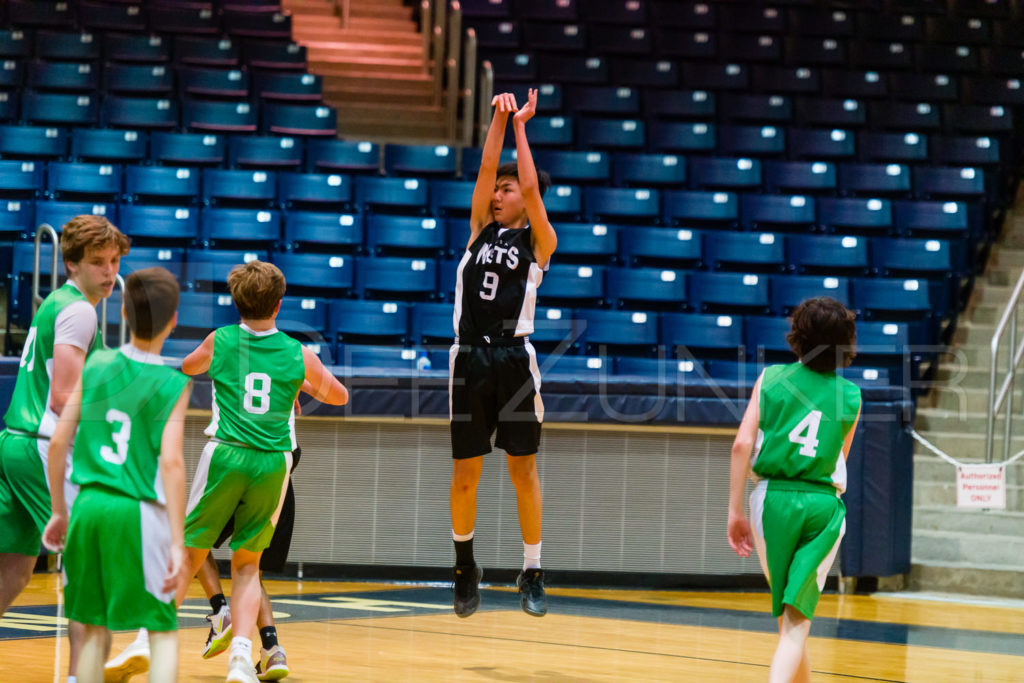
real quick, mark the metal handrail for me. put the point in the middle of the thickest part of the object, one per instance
(452, 66)
(437, 59)
(1014, 355)
(484, 101)
(122, 329)
(44, 229)
(469, 87)
(425, 29)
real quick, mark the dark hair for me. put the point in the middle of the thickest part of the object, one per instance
(823, 334)
(257, 288)
(150, 301)
(511, 170)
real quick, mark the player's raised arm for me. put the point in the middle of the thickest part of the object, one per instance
(480, 214)
(323, 386)
(740, 534)
(198, 361)
(56, 528)
(544, 239)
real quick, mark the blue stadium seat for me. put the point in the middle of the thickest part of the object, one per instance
(587, 242)
(603, 99)
(188, 149)
(648, 170)
(941, 218)
(719, 334)
(324, 230)
(159, 223)
(178, 349)
(622, 40)
(550, 131)
(573, 285)
(575, 166)
(884, 342)
(924, 87)
(115, 146)
(654, 73)
(573, 69)
(102, 17)
(207, 82)
(564, 202)
(98, 181)
(904, 116)
(684, 137)
(817, 145)
(716, 76)
(228, 116)
(420, 160)
(432, 323)
(361, 356)
(163, 183)
(646, 288)
(487, 8)
(692, 208)
(320, 272)
(15, 42)
(555, 328)
(471, 160)
(684, 15)
(980, 119)
(756, 108)
(833, 112)
(613, 133)
(618, 329)
(790, 290)
(661, 370)
(874, 54)
(141, 113)
(680, 104)
(12, 74)
(718, 173)
(303, 317)
(765, 339)
(405, 278)
(938, 182)
(853, 84)
(17, 219)
(314, 190)
(874, 180)
(592, 368)
(136, 48)
(254, 188)
(184, 18)
(404, 234)
(305, 119)
(204, 268)
(9, 107)
(745, 251)
(753, 48)
(777, 212)
(892, 147)
(729, 292)
(249, 22)
(393, 193)
(828, 254)
(257, 151)
(71, 46)
(863, 215)
(686, 45)
(342, 155)
(660, 246)
(614, 203)
(21, 179)
(62, 76)
(805, 49)
(218, 225)
(514, 66)
(173, 259)
(20, 283)
(274, 54)
(58, 213)
(30, 142)
(959, 59)
(369, 320)
(958, 150)
(287, 86)
(799, 176)
(751, 140)
(451, 197)
(202, 312)
(916, 258)
(57, 109)
(205, 51)
(889, 298)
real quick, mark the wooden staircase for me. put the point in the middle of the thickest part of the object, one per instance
(374, 69)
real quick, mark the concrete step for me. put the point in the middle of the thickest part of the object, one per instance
(959, 399)
(358, 48)
(970, 580)
(359, 23)
(375, 121)
(967, 376)
(941, 420)
(378, 112)
(967, 446)
(969, 548)
(395, 12)
(984, 522)
(385, 93)
(343, 64)
(1006, 257)
(370, 80)
(332, 31)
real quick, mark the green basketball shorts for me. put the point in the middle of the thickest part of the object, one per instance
(234, 481)
(115, 561)
(797, 529)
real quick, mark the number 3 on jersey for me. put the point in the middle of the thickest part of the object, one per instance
(257, 393)
(805, 434)
(490, 289)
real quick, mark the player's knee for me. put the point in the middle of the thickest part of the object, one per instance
(522, 470)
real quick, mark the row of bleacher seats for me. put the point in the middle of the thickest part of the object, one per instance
(875, 17)
(686, 208)
(185, 50)
(235, 115)
(197, 18)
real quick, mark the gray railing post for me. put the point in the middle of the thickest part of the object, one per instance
(484, 101)
(469, 88)
(452, 68)
(47, 230)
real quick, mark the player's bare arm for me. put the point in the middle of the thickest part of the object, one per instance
(325, 386)
(740, 535)
(848, 441)
(543, 234)
(198, 361)
(68, 361)
(57, 527)
(480, 214)
(172, 474)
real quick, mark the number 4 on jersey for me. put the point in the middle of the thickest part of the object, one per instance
(805, 434)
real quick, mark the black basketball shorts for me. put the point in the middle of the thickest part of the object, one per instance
(494, 387)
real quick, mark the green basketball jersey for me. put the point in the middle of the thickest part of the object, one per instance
(805, 416)
(30, 401)
(127, 397)
(256, 378)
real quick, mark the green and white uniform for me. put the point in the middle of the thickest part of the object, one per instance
(243, 471)
(119, 539)
(64, 317)
(796, 513)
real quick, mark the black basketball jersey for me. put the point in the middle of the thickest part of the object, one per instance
(496, 289)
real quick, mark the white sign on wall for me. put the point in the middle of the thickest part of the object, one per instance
(981, 486)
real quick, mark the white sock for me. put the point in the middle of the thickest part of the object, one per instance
(531, 556)
(462, 537)
(142, 637)
(241, 646)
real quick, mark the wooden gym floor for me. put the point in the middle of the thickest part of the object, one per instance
(389, 632)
